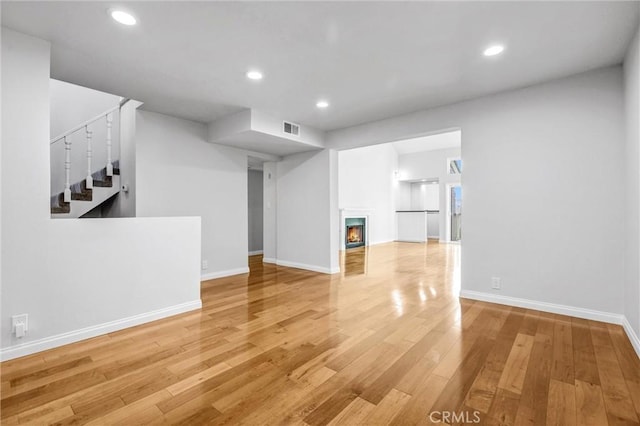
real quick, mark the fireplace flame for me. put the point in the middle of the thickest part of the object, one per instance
(354, 234)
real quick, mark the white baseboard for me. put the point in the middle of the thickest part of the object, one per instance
(633, 337)
(222, 274)
(572, 311)
(297, 265)
(544, 306)
(256, 252)
(313, 268)
(86, 333)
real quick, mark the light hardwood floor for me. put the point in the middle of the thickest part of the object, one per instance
(385, 342)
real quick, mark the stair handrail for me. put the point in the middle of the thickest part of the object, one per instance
(108, 115)
(84, 125)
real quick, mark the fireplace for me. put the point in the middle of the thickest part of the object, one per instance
(354, 232)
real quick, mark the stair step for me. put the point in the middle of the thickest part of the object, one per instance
(62, 207)
(107, 183)
(80, 192)
(82, 196)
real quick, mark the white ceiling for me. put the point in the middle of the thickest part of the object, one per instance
(371, 60)
(429, 143)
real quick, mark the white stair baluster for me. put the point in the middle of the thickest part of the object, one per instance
(89, 155)
(109, 162)
(67, 170)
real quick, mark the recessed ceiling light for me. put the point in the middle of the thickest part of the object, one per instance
(493, 50)
(322, 104)
(123, 17)
(254, 75)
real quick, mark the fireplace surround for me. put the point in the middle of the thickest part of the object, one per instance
(355, 232)
(354, 213)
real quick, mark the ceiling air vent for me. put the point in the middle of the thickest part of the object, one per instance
(291, 128)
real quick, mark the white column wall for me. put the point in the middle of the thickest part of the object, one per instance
(307, 211)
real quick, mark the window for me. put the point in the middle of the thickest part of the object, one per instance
(454, 166)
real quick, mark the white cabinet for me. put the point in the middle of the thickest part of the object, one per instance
(433, 225)
(412, 226)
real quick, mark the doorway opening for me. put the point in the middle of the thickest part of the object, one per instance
(255, 198)
(410, 192)
(454, 213)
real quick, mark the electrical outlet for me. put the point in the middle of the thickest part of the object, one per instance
(205, 264)
(496, 283)
(20, 324)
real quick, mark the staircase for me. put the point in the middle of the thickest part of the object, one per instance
(99, 184)
(84, 199)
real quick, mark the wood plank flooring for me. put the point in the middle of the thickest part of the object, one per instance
(384, 342)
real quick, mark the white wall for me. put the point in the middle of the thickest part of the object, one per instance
(632, 179)
(403, 195)
(26, 288)
(74, 278)
(366, 181)
(541, 166)
(306, 228)
(425, 196)
(71, 105)
(255, 223)
(430, 165)
(179, 173)
(270, 217)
